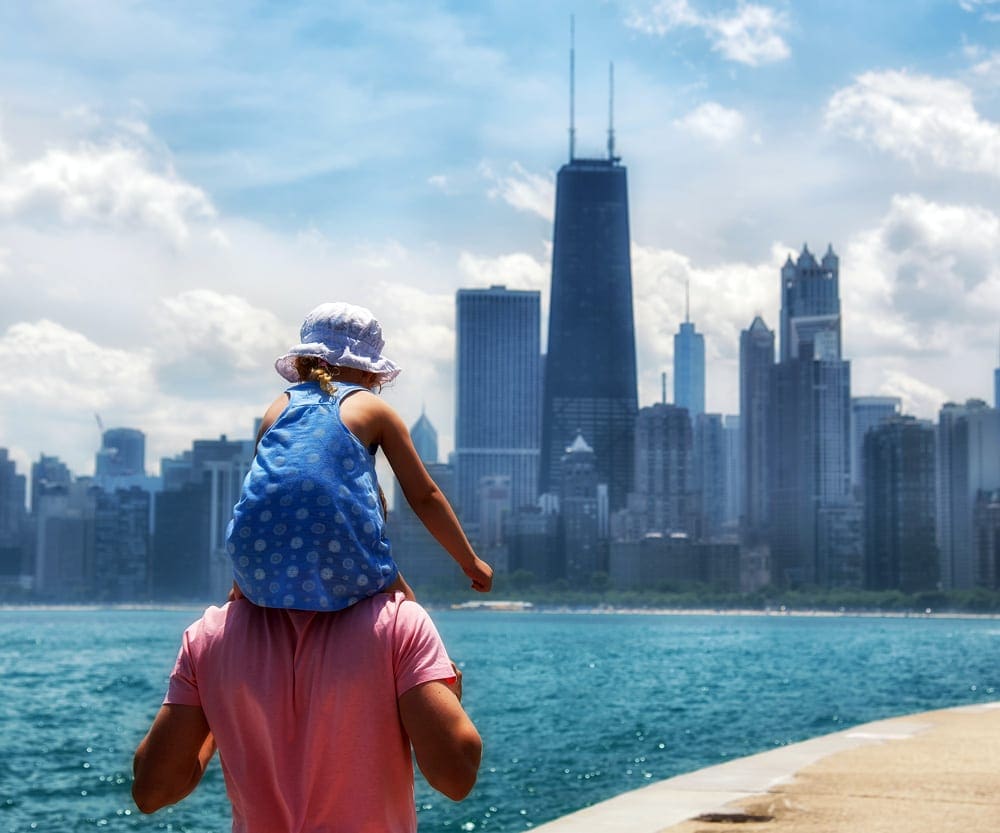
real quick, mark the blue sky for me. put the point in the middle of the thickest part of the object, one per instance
(181, 182)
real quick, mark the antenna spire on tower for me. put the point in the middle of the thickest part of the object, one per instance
(611, 111)
(572, 72)
(687, 301)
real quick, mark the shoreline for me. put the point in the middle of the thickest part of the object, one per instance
(782, 611)
(556, 610)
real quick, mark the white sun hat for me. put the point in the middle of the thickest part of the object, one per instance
(341, 334)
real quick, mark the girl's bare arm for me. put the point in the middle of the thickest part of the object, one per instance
(373, 421)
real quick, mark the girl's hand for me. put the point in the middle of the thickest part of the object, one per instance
(481, 574)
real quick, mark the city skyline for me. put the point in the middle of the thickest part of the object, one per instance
(176, 198)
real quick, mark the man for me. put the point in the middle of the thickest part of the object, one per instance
(314, 715)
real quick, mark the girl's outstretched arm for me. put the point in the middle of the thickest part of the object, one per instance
(373, 421)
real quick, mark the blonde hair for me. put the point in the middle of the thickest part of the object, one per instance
(314, 369)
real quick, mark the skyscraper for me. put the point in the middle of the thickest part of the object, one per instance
(425, 439)
(810, 304)
(498, 387)
(123, 452)
(664, 472)
(590, 368)
(867, 412)
(810, 430)
(583, 550)
(734, 471)
(709, 459)
(900, 552)
(756, 367)
(689, 368)
(968, 464)
(13, 521)
(996, 388)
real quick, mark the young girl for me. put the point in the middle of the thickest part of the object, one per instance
(307, 533)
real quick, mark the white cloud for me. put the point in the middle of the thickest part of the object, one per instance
(989, 9)
(205, 335)
(440, 181)
(50, 365)
(518, 270)
(533, 193)
(713, 122)
(988, 69)
(385, 255)
(54, 379)
(921, 293)
(112, 184)
(917, 396)
(917, 118)
(749, 35)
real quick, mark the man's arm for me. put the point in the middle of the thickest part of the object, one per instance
(172, 757)
(447, 746)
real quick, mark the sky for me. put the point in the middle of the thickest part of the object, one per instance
(181, 182)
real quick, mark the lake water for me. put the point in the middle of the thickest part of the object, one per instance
(573, 708)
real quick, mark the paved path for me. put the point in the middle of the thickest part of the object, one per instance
(935, 772)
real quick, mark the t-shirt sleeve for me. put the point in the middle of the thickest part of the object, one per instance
(183, 687)
(420, 655)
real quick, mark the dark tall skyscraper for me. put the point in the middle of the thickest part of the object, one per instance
(590, 368)
(900, 551)
(968, 466)
(810, 304)
(756, 368)
(810, 431)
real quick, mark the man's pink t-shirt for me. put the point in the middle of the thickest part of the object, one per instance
(303, 709)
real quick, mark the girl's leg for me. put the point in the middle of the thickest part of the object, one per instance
(400, 586)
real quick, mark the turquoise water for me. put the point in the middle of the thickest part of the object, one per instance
(574, 708)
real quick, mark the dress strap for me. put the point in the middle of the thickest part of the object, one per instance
(345, 389)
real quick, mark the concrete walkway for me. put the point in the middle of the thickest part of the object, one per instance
(926, 773)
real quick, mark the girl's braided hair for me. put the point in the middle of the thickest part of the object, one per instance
(313, 369)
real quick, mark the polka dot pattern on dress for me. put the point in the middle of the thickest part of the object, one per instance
(307, 532)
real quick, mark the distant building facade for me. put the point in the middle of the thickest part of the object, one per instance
(968, 462)
(756, 369)
(123, 452)
(689, 369)
(661, 500)
(810, 430)
(498, 388)
(14, 545)
(709, 487)
(580, 497)
(425, 439)
(867, 412)
(899, 500)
